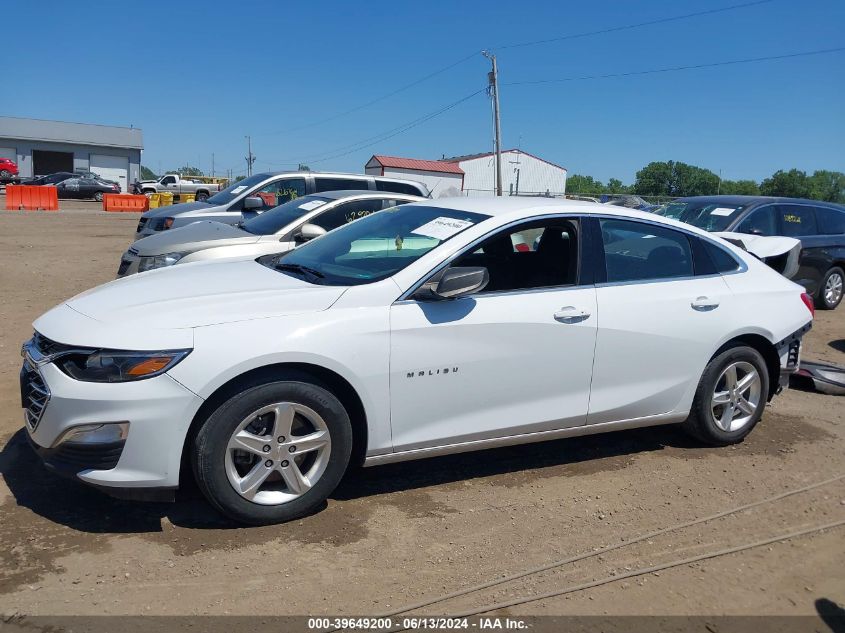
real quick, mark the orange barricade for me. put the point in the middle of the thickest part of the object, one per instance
(31, 198)
(124, 202)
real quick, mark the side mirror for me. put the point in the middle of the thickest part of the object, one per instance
(309, 232)
(253, 202)
(453, 283)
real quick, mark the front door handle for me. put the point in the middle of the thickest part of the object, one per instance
(571, 314)
(704, 304)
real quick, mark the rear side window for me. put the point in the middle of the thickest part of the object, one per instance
(399, 187)
(830, 221)
(797, 220)
(722, 260)
(339, 184)
(636, 251)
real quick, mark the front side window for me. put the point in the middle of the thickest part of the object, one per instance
(374, 247)
(346, 213)
(636, 251)
(760, 222)
(278, 192)
(340, 184)
(830, 221)
(169, 180)
(796, 220)
(537, 254)
(238, 188)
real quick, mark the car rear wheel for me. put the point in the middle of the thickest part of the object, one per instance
(831, 289)
(273, 453)
(201, 197)
(730, 398)
(5, 173)
(98, 196)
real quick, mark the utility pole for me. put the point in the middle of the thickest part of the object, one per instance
(493, 79)
(212, 164)
(250, 159)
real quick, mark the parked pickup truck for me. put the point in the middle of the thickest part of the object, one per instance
(178, 186)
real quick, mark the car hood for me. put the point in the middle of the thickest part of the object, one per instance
(187, 296)
(193, 237)
(161, 212)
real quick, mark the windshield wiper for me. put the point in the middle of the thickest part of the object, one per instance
(299, 268)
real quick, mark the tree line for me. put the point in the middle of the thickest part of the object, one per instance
(673, 179)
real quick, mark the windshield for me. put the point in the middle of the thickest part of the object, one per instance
(235, 189)
(272, 221)
(374, 247)
(710, 216)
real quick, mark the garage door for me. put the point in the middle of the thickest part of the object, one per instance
(44, 162)
(114, 168)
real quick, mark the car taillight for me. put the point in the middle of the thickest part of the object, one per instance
(808, 301)
(168, 222)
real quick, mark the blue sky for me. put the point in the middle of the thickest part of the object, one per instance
(199, 76)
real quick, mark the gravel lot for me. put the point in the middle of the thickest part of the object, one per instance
(396, 534)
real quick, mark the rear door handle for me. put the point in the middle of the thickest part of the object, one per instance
(571, 314)
(704, 304)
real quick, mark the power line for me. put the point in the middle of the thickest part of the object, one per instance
(678, 68)
(638, 25)
(377, 99)
(383, 136)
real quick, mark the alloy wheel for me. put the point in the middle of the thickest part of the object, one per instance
(736, 396)
(278, 453)
(833, 289)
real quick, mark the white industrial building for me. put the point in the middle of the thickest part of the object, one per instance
(45, 147)
(523, 174)
(442, 179)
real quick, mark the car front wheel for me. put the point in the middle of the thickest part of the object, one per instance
(831, 289)
(273, 453)
(4, 173)
(98, 196)
(730, 398)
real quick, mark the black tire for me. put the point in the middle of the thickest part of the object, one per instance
(821, 301)
(5, 173)
(201, 196)
(701, 423)
(210, 446)
(98, 196)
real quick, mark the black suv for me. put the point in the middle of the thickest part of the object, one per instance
(820, 226)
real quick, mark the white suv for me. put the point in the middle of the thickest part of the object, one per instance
(430, 328)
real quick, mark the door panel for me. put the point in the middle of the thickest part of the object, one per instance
(490, 365)
(652, 344)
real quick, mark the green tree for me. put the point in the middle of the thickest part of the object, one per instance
(577, 184)
(792, 184)
(827, 185)
(303, 167)
(739, 188)
(614, 185)
(147, 173)
(675, 179)
(187, 170)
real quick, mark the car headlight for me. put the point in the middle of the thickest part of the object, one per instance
(118, 365)
(159, 261)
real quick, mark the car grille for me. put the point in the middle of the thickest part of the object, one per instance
(133, 251)
(34, 394)
(76, 456)
(48, 347)
(124, 266)
(141, 224)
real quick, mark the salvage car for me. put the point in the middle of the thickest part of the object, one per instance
(8, 168)
(179, 186)
(417, 331)
(819, 226)
(276, 231)
(86, 188)
(261, 192)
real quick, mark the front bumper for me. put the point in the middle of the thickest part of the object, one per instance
(159, 412)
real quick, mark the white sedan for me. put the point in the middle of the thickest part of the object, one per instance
(431, 328)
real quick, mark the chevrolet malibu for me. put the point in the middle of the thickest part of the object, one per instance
(430, 328)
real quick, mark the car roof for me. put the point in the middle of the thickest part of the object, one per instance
(348, 193)
(746, 200)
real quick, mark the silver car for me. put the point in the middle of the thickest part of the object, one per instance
(276, 231)
(247, 198)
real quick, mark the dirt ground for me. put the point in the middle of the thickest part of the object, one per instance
(396, 534)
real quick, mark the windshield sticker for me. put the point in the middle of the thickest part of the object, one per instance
(722, 211)
(442, 228)
(310, 206)
(237, 190)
